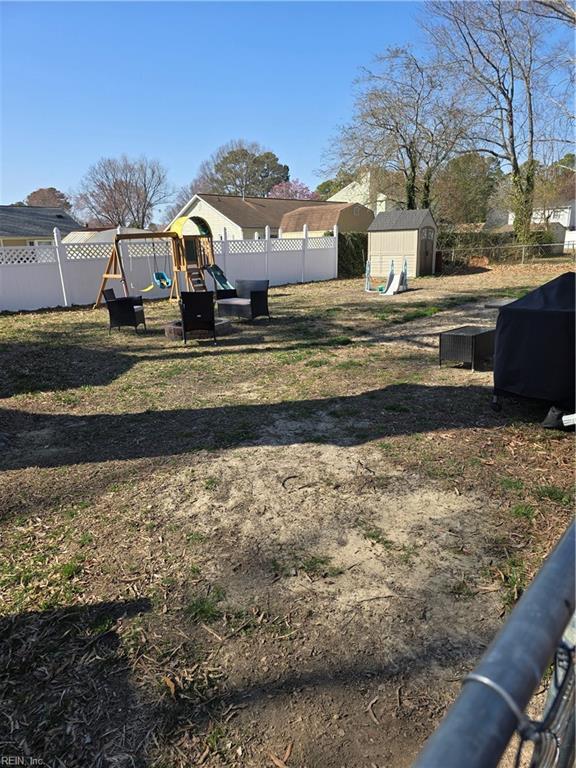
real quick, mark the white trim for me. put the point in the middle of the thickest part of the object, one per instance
(180, 213)
(198, 196)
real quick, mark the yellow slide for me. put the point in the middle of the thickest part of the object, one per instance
(178, 225)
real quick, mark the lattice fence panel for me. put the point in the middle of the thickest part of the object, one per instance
(159, 248)
(218, 248)
(320, 242)
(246, 246)
(287, 244)
(28, 254)
(80, 251)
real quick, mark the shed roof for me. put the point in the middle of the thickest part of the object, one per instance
(34, 221)
(257, 211)
(317, 217)
(389, 221)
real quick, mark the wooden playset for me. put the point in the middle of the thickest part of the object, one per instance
(191, 255)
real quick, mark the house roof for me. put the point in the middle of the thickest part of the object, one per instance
(34, 221)
(254, 212)
(474, 228)
(388, 221)
(98, 235)
(317, 217)
(509, 228)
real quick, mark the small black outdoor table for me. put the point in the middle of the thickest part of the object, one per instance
(468, 344)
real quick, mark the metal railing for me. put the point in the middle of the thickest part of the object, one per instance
(490, 707)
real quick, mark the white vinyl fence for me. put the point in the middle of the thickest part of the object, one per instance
(64, 274)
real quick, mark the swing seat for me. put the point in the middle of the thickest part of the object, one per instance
(162, 280)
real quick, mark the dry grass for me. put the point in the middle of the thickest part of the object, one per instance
(210, 553)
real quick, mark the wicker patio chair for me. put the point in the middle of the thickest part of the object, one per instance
(197, 312)
(125, 311)
(248, 300)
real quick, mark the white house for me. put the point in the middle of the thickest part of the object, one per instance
(564, 214)
(561, 221)
(243, 218)
(365, 191)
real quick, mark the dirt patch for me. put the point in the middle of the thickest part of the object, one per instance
(289, 547)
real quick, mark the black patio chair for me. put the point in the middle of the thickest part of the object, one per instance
(109, 295)
(125, 311)
(248, 300)
(197, 312)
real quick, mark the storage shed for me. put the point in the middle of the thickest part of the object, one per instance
(398, 235)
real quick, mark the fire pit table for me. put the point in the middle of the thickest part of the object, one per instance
(173, 330)
(471, 344)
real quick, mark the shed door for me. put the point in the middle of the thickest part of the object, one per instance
(426, 266)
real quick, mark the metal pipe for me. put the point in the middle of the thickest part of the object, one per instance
(480, 723)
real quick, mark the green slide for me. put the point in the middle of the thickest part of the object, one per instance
(219, 277)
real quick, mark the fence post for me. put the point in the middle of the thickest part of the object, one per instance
(60, 256)
(225, 251)
(523, 253)
(335, 250)
(279, 233)
(267, 251)
(304, 249)
(124, 256)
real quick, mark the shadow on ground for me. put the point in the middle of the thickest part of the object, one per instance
(68, 696)
(48, 440)
(66, 690)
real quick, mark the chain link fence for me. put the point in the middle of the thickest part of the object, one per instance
(506, 254)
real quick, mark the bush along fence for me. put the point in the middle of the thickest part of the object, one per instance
(352, 253)
(66, 274)
(501, 254)
(500, 247)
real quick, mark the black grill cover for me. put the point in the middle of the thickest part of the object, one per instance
(534, 344)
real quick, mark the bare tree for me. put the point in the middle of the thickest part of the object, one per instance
(405, 121)
(502, 63)
(557, 10)
(182, 196)
(123, 191)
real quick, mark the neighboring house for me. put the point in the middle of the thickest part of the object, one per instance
(350, 217)
(557, 231)
(564, 215)
(402, 235)
(32, 225)
(365, 191)
(97, 235)
(243, 218)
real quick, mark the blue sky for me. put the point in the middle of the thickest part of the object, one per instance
(174, 81)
